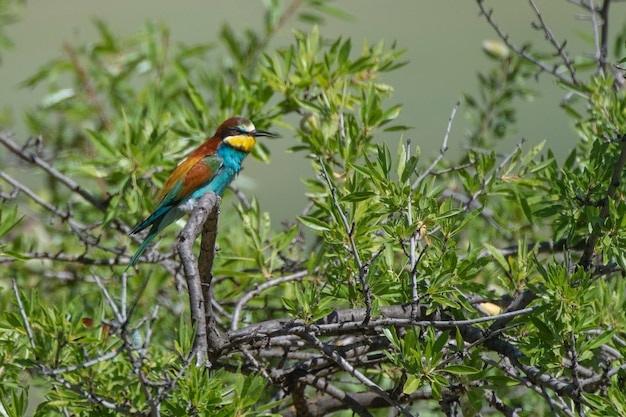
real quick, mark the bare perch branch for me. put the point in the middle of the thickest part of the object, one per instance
(207, 204)
(215, 340)
(208, 339)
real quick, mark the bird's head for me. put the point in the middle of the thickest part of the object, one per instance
(240, 133)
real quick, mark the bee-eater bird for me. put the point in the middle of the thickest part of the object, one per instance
(211, 167)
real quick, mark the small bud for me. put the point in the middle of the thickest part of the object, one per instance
(495, 49)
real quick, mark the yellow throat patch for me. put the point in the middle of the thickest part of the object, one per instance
(244, 143)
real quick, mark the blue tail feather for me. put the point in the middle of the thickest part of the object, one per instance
(159, 220)
(152, 219)
(142, 248)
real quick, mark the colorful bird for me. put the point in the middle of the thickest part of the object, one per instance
(211, 167)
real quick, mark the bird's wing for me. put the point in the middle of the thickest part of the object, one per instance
(188, 177)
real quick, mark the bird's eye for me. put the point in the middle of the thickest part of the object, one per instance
(237, 130)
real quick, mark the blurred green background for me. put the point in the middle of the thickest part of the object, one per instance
(442, 38)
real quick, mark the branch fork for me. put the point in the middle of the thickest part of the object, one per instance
(208, 340)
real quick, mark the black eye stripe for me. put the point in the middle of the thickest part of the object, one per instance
(238, 130)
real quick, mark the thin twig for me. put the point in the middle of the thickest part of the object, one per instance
(64, 257)
(412, 242)
(290, 10)
(454, 168)
(511, 371)
(241, 197)
(29, 331)
(53, 172)
(570, 345)
(121, 319)
(349, 230)
(596, 39)
(150, 329)
(489, 179)
(186, 362)
(347, 399)
(91, 397)
(560, 47)
(346, 366)
(91, 92)
(442, 150)
(65, 216)
(590, 245)
(499, 405)
(83, 365)
(258, 290)
(554, 70)
(604, 38)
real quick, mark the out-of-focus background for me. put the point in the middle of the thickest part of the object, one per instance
(443, 42)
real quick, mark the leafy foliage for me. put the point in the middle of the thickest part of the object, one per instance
(488, 281)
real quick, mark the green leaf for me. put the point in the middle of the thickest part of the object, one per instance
(461, 370)
(398, 128)
(502, 381)
(384, 158)
(497, 255)
(8, 220)
(599, 340)
(411, 385)
(344, 52)
(314, 223)
(357, 196)
(409, 169)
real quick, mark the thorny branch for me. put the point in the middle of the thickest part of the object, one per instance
(560, 47)
(552, 69)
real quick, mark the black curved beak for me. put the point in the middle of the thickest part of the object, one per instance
(258, 133)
